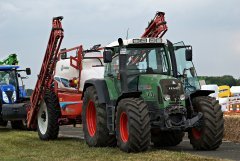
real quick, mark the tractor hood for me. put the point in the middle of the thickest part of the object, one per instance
(8, 93)
(161, 88)
(7, 88)
(149, 81)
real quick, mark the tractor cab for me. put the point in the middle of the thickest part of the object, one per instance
(184, 67)
(8, 84)
(143, 66)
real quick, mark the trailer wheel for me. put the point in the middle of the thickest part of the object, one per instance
(166, 138)
(19, 125)
(133, 125)
(47, 117)
(94, 117)
(209, 135)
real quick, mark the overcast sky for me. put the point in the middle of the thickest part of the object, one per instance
(212, 27)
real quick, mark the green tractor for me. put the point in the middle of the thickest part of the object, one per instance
(150, 94)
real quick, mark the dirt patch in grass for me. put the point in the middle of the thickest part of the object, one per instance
(232, 128)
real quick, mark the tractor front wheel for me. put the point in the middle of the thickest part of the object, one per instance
(209, 135)
(94, 117)
(133, 125)
(48, 115)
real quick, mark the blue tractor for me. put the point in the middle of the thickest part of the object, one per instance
(13, 97)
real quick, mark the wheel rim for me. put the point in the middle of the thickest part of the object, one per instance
(196, 133)
(91, 118)
(43, 118)
(124, 127)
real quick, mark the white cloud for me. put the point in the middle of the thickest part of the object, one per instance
(6, 7)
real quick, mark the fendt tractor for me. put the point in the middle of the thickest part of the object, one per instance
(130, 93)
(13, 97)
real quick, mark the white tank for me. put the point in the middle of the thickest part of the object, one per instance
(90, 71)
(65, 70)
(91, 68)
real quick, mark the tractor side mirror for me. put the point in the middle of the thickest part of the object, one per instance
(19, 75)
(28, 71)
(107, 56)
(188, 54)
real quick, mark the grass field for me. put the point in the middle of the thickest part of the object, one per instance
(19, 145)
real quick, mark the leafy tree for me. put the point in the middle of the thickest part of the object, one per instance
(221, 80)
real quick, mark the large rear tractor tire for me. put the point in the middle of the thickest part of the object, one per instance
(19, 125)
(94, 117)
(133, 125)
(167, 138)
(48, 115)
(209, 136)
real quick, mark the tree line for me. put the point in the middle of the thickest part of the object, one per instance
(221, 80)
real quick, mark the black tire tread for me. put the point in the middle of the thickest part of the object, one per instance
(213, 124)
(54, 113)
(102, 137)
(139, 125)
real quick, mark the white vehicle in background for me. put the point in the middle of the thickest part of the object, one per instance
(230, 103)
(211, 87)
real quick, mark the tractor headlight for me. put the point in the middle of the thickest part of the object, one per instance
(5, 97)
(182, 97)
(167, 97)
(14, 96)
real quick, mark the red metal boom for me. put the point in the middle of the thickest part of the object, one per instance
(45, 78)
(157, 27)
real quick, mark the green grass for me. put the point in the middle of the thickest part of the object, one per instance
(19, 145)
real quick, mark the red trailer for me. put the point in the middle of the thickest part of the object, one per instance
(57, 100)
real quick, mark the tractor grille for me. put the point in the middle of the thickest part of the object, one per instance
(173, 88)
(9, 94)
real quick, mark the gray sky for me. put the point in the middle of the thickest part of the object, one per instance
(210, 26)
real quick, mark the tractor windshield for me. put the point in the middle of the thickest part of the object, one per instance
(186, 70)
(147, 61)
(8, 78)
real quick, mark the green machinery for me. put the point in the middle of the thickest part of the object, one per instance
(10, 60)
(149, 93)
